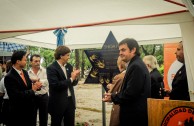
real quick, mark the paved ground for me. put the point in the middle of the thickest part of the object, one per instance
(89, 105)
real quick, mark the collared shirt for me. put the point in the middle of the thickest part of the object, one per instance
(41, 74)
(18, 71)
(65, 72)
(126, 65)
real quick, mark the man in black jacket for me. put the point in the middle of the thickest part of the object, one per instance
(135, 88)
(62, 78)
(180, 89)
(21, 92)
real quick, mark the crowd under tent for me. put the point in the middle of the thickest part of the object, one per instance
(84, 19)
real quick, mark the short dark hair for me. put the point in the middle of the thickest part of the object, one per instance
(131, 43)
(34, 55)
(17, 55)
(61, 51)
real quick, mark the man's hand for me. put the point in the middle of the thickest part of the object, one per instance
(36, 86)
(109, 86)
(107, 97)
(75, 74)
(34, 80)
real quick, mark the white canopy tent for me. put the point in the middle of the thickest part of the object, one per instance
(23, 16)
(94, 37)
(19, 17)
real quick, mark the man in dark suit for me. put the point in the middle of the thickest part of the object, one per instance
(136, 87)
(21, 92)
(62, 78)
(180, 89)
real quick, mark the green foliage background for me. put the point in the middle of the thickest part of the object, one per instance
(84, 63)
(156, 50)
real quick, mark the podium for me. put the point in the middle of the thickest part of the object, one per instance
(170, 112)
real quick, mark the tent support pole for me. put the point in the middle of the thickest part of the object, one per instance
(103, 109)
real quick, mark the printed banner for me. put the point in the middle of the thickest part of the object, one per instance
(171, 65)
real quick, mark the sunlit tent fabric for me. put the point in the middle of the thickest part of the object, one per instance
(21, 17)
(94, 37)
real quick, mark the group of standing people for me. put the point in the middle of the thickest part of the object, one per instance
(4, 107)
(51, 90)
(141, 80)
(40, 90)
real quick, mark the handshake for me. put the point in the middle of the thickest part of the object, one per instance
(36, 84)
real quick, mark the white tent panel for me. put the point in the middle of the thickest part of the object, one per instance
(94, 37)
(61, 13)
(188, 43)
(87, 46)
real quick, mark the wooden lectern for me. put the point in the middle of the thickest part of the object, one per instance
(170, 112)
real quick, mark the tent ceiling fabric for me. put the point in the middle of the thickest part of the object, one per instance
(40, 14)
(19, 17)
(94, 37)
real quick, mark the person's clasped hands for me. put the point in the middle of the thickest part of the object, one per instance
(36, 85)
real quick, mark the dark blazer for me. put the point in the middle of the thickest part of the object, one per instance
(21, 98)
(180, 89)
(156, 81)
(136, 88)
(58, 85)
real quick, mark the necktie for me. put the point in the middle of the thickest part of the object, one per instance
(65, 72)
(23, 78)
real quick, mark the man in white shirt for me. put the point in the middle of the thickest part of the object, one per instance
(38, 73)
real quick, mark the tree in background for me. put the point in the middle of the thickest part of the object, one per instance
(79, 59)
(47, 55)
(156, 50)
